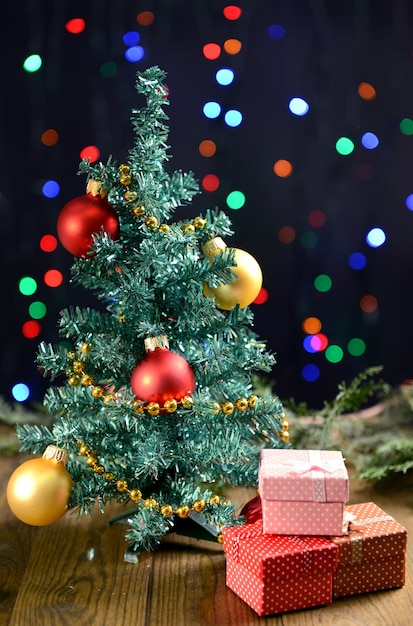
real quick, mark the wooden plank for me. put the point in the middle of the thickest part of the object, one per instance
(73, 573)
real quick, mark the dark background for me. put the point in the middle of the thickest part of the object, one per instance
(328, 49)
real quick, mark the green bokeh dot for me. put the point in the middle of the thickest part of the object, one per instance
(235, 200)
(356, 346)
(334, 354)
(344, 146)
(309, 240)
(406, 126)
(32, 63)
(323, 282)
(27, 286)
(37, 310)
(108, 69)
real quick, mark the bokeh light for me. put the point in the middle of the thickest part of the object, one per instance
(311, 325)
(211, 110)
(323, 282)
(48, 243)
(132, 38)
(344, 146)
(376, 237)
(134, 54)
(356, 346)
(32, 63)
(20, 392)
(357, 261)
(210, 182)
(53, 278)
(233, 118)
(232, 46)
(316, 219)
(319, 342)
(366, 91)
(298, 106)
(145, 18)
(276, 31)
(27, 286)
(91, 153)
(75, 26)
(235, 200)
(211, 51)
(286, 234)
(232, 12)
(50, 137)
(370, 141)
(108, 69)
(262, 296)
(37, 310)
(283, 168)
(368, 303)
(51, 189)
(224, 76)
(31, 329)
(334, 354)
(310, 372)
(307, 345)
(409, 202)
(309, 240)
(406, 126)
(207, 148)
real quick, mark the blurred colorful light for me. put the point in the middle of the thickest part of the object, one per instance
(32, 63)
(211, 51)
(311, 325)
(31, 329)
(276, 31)
(132, 38)
(262, 296)
(134, 54)
(375, 237)
(310, 372)
(91, 153)
(283, 168)
(145, 18)
(49, 137)
(211, 110)
(232, 12)
(207, 148)
(51, 189)
(370, 141)
(75, 26)
(235, 200)
(224, 76)
(406, 126)
(210, 182)
(323, 283)
(298, 106)
(233, 118)
(357, 261)
(20, 392)
(356, 346)
(27, 286)
(366, 91)
(53, 278)
(232, 46)
(334, 354)
(286, 234)
(48, 243)
(344, 146)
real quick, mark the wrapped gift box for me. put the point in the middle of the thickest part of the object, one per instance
(303, 492)
(274, 573)
(372, 556)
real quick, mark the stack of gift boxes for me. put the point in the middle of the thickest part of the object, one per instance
(308, 548)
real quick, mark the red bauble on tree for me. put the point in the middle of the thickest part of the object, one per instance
(84, 216)
(162, 375)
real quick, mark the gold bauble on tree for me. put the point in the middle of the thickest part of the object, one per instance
(245, 288)
(38, 491)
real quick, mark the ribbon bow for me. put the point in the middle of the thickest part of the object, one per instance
(318, 468)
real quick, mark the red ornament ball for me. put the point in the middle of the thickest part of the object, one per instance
(83, 216)
(252, 510)
(162, 375)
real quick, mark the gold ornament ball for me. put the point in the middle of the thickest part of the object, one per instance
(244, 289)
(38, 491)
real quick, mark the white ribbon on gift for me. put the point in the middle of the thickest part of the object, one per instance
(318, 468)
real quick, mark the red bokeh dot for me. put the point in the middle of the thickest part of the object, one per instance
(232, 12)
(31, 329)
(262, 296)
(91, 153)
(210, 182)
(53, 278)
(48, 243)
(211, 51)
(75, 26)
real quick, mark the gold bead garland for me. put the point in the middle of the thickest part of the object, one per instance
(139, 210)
(135, 495)
(285, 435)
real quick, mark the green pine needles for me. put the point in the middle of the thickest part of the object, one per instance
(164, 462)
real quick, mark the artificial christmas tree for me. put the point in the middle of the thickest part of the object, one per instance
(156, 408)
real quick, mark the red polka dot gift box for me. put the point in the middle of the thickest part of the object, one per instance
(303, 492)
(372, 556)
(276, 573)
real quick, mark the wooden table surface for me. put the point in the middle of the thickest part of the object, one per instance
(73, 573)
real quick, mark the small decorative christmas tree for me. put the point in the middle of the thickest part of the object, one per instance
(157, 408)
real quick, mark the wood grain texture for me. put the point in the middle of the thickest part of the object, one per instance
(72, 573)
